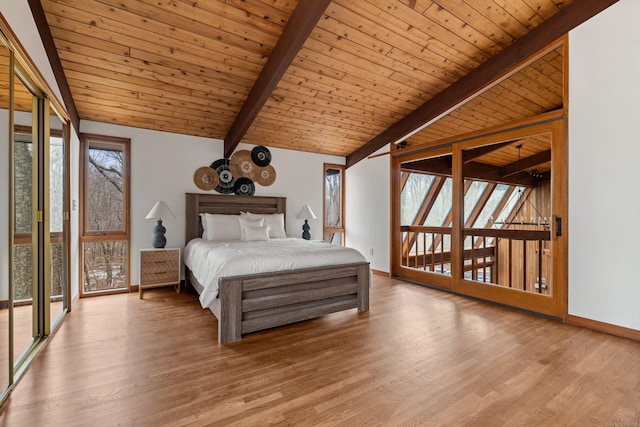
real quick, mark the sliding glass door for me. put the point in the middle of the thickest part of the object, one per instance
(34, 233)
(484, 216)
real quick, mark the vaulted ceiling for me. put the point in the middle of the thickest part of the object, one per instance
(337, 77)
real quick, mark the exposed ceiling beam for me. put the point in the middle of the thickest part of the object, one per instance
(474, 153)
(474, 170)
(526, 163)
(490, 72)
(302, 22)
(56, 65)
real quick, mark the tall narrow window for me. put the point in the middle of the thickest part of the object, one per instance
(105, 214)
(333, 216)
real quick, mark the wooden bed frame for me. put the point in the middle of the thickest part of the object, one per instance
(260, 301)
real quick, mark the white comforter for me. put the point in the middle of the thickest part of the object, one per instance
(209, 261)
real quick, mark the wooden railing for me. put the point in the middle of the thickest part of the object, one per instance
(425, 248)
(515, 265)
(428, 249)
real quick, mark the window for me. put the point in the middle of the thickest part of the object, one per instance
(105, 214)
(333, 215)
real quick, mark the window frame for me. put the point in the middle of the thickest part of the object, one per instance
(89, 236)
(327, 229)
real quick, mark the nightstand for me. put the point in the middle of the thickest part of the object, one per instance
(159, 267)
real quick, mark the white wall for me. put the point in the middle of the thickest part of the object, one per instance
(162, 168)
(604, 154)
(368, 209)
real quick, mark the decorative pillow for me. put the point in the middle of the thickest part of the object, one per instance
(252, 234)
(203, 221)
(222, 227)
(244, 221)
(276, 221)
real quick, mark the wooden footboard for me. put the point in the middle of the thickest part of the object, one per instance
(251, 303)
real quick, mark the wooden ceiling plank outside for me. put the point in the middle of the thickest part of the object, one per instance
(474, 153)
(303, 21)
(526, 163)
(482, 77)
(56, 65)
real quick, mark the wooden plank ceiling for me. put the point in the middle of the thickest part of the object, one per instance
(188, 66)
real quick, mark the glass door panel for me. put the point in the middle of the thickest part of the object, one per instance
(423, 246)
(24, 234)
(6, 363)
(57, 208)
(507, 240)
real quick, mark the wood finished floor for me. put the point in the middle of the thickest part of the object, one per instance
(419, 357)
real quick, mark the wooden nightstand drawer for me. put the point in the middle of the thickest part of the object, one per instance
(159, 267)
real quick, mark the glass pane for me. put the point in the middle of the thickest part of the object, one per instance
(105, 189)
(23, 267)
(415, 190)
(425, 214)
(105, 265)
(519, 256)
(333, 197)
(5, 72)
(334, 238)
(23, 182)
(441, 209)
(489, 210)
(57, 198)
(472, 197)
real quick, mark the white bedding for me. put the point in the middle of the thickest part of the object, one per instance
(211, 260)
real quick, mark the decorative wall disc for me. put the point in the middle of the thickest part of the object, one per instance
(261, 156)
(266, 175)
(244, 187)
(241, 165)
(227, 182)
(206, 178)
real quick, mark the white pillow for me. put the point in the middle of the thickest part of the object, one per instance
(222, 227)
(246, 221)
(256, 233)
(203, 221)
(276, 221)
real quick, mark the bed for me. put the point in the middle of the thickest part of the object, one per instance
(253, 302)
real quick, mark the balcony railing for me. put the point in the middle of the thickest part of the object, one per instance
(512, 258)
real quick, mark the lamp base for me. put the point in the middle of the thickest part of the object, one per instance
(305, 230)
(159, 241)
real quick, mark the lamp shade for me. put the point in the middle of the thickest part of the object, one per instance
(160, 210)
(306, 213)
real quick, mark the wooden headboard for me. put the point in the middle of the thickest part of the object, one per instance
(225, 204)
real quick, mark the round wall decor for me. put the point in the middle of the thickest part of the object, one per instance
(241, 165)
(244, 187)
(206, 178)
(227, 182)
(266, 176)
(261, 156)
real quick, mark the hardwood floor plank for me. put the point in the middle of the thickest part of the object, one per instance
(418, 357)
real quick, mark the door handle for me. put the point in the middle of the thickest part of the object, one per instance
(558, 226)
